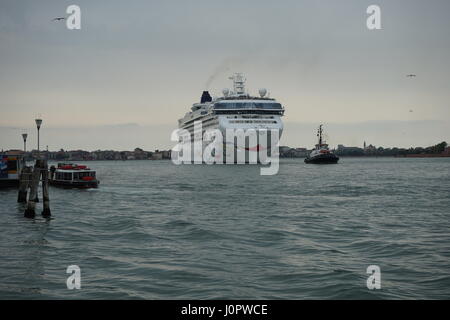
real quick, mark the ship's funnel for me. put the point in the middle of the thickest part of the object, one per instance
(205, 97)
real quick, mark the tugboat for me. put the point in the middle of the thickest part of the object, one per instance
(10, 167)
(68, 175)
(321, 154)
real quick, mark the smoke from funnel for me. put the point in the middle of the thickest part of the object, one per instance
(223, 68)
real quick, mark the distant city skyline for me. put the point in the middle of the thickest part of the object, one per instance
(134, 69)
(131, 136)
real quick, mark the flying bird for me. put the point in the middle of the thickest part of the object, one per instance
(59, 19)
(410, 75)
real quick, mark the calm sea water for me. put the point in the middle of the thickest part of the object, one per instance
(154, 230)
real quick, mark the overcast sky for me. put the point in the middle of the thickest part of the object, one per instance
(136, 67)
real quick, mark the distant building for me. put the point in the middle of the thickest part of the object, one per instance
(287, 152)
(157, 155)
(140, 154)
(78, 155)
(166, 154)
(370, 150)
(349, 151)
(14, 152)
(446, 151)
(284, 149)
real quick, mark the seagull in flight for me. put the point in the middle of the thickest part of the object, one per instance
(410, 75)
(59, 19)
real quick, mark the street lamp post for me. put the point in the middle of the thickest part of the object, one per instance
(24, 136)
(38, 124)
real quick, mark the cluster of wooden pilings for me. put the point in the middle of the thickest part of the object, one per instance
(29, 183)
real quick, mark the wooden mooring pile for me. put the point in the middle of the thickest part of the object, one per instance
(29, 185)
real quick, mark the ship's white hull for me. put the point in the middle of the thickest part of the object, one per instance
(242, 135)
(224, 122)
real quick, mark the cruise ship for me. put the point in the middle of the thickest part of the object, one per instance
(236, 109)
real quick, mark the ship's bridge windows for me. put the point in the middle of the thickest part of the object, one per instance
(247, 105)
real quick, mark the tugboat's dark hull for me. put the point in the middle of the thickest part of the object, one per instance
(323, 159)
(74, 184)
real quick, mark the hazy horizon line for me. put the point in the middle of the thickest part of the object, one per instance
(136, 124)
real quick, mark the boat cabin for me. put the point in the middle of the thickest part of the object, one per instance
(73, 175)
(10, 167)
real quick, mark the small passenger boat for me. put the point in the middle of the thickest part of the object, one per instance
(68, 175)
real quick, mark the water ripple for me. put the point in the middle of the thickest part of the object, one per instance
(154, 230)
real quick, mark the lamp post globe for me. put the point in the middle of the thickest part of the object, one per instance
(24, 136)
